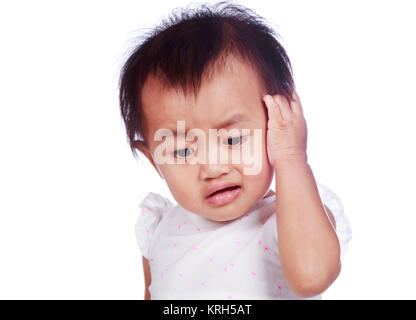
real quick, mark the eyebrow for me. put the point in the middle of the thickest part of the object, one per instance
(238, 117)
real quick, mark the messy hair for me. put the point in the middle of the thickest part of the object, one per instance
(189, 44)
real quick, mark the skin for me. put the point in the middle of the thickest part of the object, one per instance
(229, 92)
(308, 245)
(301, 217)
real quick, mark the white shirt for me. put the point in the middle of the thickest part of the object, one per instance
(193, 258)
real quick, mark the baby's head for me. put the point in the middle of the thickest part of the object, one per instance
(208, 68)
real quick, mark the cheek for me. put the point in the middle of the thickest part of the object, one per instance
(253, 151)
(174, 174)
(179, 179)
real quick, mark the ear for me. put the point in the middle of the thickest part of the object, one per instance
(141, 145)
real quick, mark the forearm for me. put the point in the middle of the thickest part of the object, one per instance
(308, 245)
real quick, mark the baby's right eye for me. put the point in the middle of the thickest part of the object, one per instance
(182, 152)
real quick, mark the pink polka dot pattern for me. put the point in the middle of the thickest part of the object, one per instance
(197, 241)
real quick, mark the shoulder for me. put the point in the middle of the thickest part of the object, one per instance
(152, 208)
(155, 203)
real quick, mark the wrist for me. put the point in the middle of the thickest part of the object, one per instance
(290, 159)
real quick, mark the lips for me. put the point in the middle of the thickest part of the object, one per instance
(222, 194)
(220, 186)
(224, 190)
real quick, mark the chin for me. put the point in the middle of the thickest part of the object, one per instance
(224, 218)
(219, 219)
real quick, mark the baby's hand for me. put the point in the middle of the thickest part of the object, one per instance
(286, 129)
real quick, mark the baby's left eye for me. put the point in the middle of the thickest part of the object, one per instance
(235, 140)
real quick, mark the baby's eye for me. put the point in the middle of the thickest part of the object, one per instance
(183, 153)
(236, 140)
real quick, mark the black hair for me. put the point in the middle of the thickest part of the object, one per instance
(188, 44)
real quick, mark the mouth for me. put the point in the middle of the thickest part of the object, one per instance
(223, 196)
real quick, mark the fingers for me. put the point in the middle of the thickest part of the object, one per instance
(284, 106)
(272, 107)
(296, 104)
(279, 106)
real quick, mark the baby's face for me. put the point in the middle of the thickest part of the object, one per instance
(235, 90)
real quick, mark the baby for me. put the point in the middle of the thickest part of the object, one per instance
(209, 99)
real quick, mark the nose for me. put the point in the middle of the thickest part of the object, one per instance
(213, 170)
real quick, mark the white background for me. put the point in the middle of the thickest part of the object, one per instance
(70, 188)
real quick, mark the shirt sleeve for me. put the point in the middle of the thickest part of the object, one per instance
(152, 207)
(342, 225)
